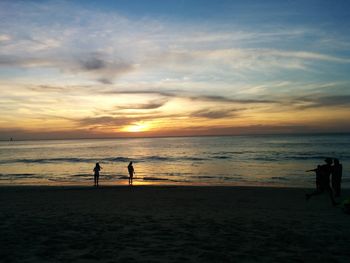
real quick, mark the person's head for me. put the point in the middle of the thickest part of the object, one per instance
(130, 163)
(336, 161)
(328, 160)
(97, 164)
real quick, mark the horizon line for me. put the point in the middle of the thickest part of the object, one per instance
(184, 136)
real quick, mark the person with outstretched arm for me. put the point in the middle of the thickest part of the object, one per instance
(318, 177)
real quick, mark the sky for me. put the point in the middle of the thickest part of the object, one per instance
(128, 68)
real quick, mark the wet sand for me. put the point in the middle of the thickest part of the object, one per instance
(170, 224)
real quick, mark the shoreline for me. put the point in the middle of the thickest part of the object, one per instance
(152, 185)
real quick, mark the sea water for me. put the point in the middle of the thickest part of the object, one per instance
(272, 160)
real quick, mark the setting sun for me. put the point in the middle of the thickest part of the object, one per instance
(137, 127)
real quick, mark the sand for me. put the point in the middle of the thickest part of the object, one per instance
(170, 224)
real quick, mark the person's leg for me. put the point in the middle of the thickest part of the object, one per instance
(330, 193)
(337, 189)
(316, 192)
(334, 186)
(94, 180)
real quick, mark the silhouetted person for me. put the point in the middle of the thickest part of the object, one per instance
(337, 170)
(97, 173)
(325, 173)
(318, 176)
(131, 172)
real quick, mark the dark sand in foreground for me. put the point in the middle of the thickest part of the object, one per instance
(170, 224)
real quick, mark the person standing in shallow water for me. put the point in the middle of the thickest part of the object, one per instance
(131, 172)
(337, 170)
(97, 174)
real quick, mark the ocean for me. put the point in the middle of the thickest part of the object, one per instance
(267, 160)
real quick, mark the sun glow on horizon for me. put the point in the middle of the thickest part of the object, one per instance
(137, 127)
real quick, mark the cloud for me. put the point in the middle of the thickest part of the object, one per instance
(105, 49)
(323, 101)
(215, 98)
(306, 56)
(89, 65)
(92, 64)
(190, 96)
(106, 121)
(4, 38)
(155, 104)
(41, 134)
(108, 46)
(151, 91)
(224, 63)
(215, 114)
(47, 88)
(103, 69)
(105, 81)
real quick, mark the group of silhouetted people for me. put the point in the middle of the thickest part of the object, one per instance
(323, 174)
(98, 168)
(327, 174)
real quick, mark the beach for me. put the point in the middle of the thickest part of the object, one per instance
(170, 224)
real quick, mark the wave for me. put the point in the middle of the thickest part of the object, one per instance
(103, 160)
(118, 159)
(66, 160)
(296, 158)
(272, 157)
(155, 179)
(219, 177)
(175, 174)
(20, 176)
(265, 159)
(280, 178)
(23, 174)
(192, 159)
(204, 177)
(82, 175)
(303, 157)
(234, 152)
(311, 157)
(221, 157)
(48, 160)
(162, 158)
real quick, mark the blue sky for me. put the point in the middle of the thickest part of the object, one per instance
(149, 68)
